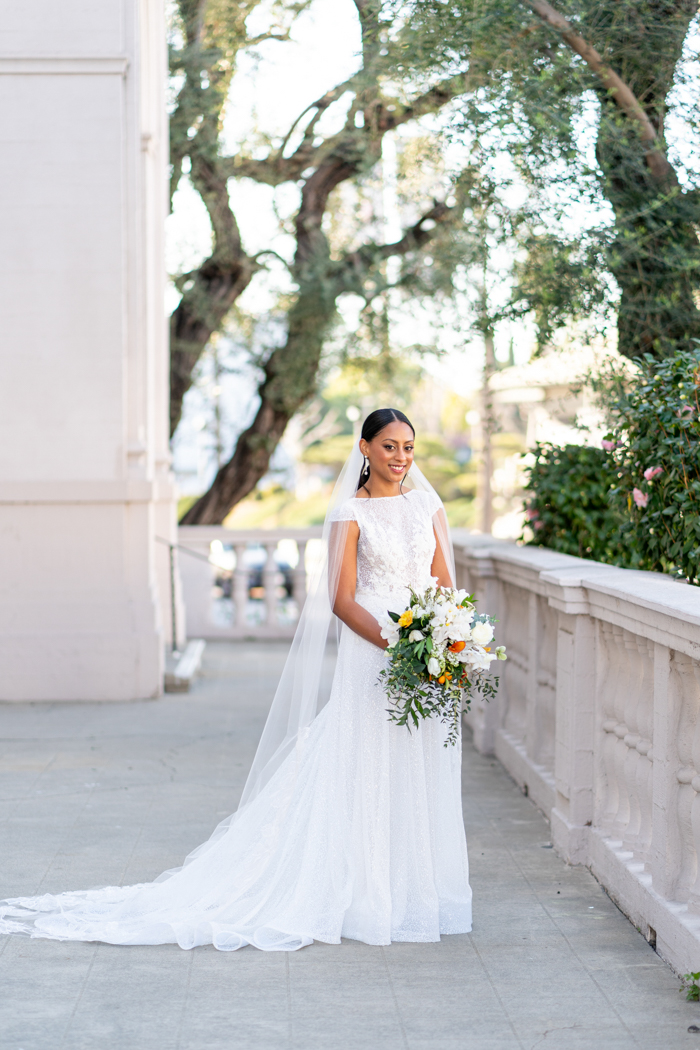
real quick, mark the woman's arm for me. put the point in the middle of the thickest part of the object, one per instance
(439, 567)
(345, 607)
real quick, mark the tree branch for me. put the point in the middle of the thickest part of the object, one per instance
(621, 93)
(359, 262)
(381, 115)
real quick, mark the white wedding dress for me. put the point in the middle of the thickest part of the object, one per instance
(358, 833)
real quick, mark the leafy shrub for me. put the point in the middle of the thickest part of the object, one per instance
(569, 505)
(636, 501)
(656, 435)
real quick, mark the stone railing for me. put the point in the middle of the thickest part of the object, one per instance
(598, 720)
(240, 583)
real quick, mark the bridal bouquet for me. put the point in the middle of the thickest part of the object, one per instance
(439, 650)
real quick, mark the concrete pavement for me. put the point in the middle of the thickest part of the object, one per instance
(92, 794)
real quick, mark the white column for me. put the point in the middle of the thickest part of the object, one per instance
(84, 481)
(241, 576)
(270, 574)
(299, 576)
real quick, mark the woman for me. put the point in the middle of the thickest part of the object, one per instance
(349, 826)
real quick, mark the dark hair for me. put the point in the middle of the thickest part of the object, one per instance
(373, 425)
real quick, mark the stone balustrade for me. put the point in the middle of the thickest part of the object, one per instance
(598, 720)
(219, 568)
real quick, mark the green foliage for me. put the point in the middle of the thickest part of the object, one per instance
(657, 434)
(636, 502)
(690, 987)
(569, 505)
(558, 280)
(532, 99)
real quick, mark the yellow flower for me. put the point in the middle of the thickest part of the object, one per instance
(406, 619)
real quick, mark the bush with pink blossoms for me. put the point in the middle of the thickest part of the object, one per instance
(658, 426)
(635, 502)
(568, 503)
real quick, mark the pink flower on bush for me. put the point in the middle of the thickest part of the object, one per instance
(531, 513)
(685, 409)
(640, 498)
(651, 472)
(608, 445)
(539, 524)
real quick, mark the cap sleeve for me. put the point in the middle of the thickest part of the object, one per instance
(345, 512)
(434, 502)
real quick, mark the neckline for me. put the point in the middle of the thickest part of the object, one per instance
(373, 499)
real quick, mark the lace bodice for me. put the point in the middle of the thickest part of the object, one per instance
(397, 542)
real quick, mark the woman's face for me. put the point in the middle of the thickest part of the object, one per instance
(390, 452)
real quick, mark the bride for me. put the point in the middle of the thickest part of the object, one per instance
(349, 826)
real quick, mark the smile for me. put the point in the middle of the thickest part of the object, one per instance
(397, 470)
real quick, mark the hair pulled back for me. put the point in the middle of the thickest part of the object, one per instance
(373, 425)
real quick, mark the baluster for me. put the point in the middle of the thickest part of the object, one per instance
(270, 573)
(625, 675)
(240, 585)
(644, 726)
(632, 737)
(692, 694)
(681, 677)
(608, 670)
(299, 577)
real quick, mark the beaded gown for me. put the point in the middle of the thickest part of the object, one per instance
(358, 834)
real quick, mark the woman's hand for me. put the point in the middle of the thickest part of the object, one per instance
(357, 618)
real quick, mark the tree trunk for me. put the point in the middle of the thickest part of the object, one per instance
(196, 318)
(290, 381)
(655, 256)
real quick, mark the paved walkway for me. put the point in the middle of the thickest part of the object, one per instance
(97, 793)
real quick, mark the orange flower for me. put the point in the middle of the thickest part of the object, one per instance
(457, 647)
(405, 619)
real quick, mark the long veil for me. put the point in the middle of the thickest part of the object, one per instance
(298, 698)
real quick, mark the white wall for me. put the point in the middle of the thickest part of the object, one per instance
(84, 481)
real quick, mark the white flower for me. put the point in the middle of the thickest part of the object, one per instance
(389, 630)
(482, 633)
(416, 636)
(433, 667)
(463, 619)
(479, 660)
(440, 634)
